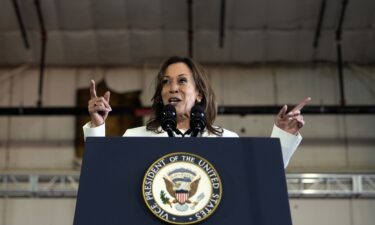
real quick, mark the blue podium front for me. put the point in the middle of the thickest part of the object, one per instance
(114, 177)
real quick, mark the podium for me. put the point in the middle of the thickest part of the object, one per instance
(251, 170)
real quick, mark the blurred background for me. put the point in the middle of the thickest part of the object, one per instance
(259, 54)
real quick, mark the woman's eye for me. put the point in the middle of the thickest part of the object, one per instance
(182, 80)
(165, 81)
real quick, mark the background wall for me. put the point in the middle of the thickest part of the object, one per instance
(331, 143)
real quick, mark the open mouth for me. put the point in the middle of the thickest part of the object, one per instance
(174, 101)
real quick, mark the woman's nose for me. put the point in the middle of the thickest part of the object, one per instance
(173, 88)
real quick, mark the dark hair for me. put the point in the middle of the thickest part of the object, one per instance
(201, 83)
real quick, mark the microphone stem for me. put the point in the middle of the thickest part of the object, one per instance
(196, 130)
(170, 132)
(195, 133)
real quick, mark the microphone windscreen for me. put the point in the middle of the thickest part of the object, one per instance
(169, 118)
(197, 118)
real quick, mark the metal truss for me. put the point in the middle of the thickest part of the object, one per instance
(39, 185)
(331, 185)
(299, 185)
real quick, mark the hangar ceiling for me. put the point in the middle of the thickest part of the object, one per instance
(134, 32)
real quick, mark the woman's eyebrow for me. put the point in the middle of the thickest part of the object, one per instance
(179, 75)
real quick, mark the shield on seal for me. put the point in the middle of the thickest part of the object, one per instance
(182, 196)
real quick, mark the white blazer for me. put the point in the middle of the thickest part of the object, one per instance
(289, 142)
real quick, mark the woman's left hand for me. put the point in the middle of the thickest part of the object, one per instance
(292, 121)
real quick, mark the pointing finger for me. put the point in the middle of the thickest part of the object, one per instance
(301, 104)
(282, 111)
(107, 95)
(92, 89)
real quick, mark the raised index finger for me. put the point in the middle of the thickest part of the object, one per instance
(92, 89)
(301, 104)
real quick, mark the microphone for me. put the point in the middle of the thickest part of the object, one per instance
(168, 119)
(197, 120)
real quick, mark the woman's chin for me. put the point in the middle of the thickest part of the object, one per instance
(182, 114)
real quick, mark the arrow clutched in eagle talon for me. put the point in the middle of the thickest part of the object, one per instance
(199, 198)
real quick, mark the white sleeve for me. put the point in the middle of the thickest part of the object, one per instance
(228, 133)
(89, 131)
(289, 143)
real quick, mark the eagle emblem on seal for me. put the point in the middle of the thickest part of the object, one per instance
(182, 185)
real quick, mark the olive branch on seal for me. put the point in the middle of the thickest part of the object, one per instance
(165, 199)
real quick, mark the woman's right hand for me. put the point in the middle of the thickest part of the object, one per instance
(98, 106)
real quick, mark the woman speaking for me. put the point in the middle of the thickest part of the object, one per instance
(183, 84)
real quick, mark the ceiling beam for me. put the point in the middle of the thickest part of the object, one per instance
(43, 34)
(222, 23)
(318, 29)
(222, 110)
(190, 31)
(21, 24)
(339, 52)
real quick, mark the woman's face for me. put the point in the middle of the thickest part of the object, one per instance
(179, 88)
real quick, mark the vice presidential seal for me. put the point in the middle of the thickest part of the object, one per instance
(182, 188)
